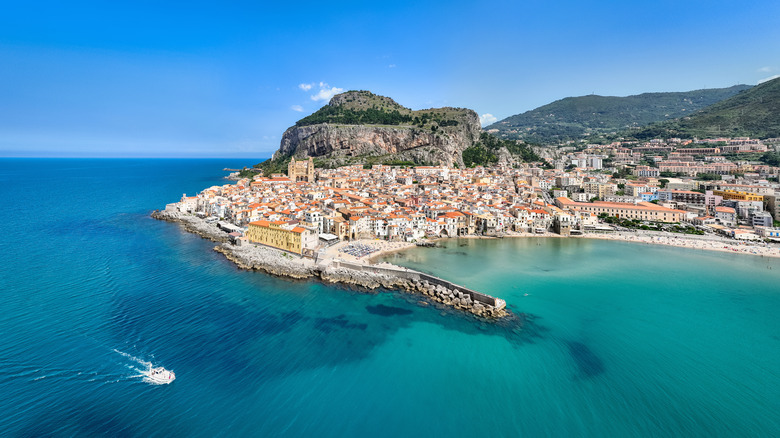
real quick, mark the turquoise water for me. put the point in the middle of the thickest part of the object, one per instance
(617, 339)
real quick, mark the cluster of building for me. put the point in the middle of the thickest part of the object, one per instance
(685, 157)
(309, 208)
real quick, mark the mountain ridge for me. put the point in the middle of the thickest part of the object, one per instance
(751, 113)
(573, 118)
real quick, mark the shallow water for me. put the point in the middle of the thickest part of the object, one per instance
(615, 339)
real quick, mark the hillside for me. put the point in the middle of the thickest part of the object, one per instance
(751, 113)
(359, 127)
(366, 108)
(573, 118)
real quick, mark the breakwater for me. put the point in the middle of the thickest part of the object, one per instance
(435, 288)
(366, 276)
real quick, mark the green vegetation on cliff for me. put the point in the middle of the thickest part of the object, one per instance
(751, 113)
(270, 166)
(345, 116)
(478, 155)
(366, 108)
(573, 118)
(484, 152)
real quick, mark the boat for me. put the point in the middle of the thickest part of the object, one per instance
(160, 375)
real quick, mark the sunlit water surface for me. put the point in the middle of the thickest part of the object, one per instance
(616, 339)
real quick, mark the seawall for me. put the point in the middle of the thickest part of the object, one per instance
(428, 284)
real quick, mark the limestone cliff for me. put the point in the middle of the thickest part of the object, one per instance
(358, 125)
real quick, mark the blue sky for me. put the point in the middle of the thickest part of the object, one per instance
(201, 79)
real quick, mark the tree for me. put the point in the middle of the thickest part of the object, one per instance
(771, 158)
(663, 182)
(478, 155)
(622, 173)
(708, 177)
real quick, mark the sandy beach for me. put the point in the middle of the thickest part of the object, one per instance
(711, 244)
(358, 250)
(705, 243)
(380, 248)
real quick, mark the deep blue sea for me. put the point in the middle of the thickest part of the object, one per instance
(619, 339)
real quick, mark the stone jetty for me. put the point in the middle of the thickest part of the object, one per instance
(362, 275)
(433, 288)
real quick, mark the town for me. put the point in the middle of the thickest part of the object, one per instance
(690, 187)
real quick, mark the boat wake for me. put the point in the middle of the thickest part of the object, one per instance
(148, 372)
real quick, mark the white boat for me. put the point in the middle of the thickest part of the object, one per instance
(160, 376)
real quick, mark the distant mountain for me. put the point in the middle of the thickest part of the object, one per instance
(573, 118)
(751, 113)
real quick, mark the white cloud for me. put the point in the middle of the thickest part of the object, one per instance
(766, 69)
(768, 79)
(487, 119)
(305, 87)
(297, 108)
(326, 92)
(391, 66)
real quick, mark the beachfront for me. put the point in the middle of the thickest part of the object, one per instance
(704, 243)
(366, 250)
(379, 248)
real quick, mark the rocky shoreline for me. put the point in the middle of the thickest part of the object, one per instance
(363, 276)
(192, 224)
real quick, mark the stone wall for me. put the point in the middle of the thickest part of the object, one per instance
(416, 276)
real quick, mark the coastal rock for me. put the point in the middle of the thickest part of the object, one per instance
(339, 143)
(192, 224)
(439, 136)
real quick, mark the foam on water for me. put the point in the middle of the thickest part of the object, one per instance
(145, 373)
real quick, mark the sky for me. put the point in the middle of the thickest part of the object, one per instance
(226, 79)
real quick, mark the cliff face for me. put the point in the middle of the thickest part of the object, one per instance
(435, 136)
(339, 142)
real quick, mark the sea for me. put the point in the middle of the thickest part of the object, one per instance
(610, 339)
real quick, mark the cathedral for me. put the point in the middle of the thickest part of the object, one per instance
(301, 170)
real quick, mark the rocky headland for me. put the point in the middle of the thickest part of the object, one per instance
(359, 124)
